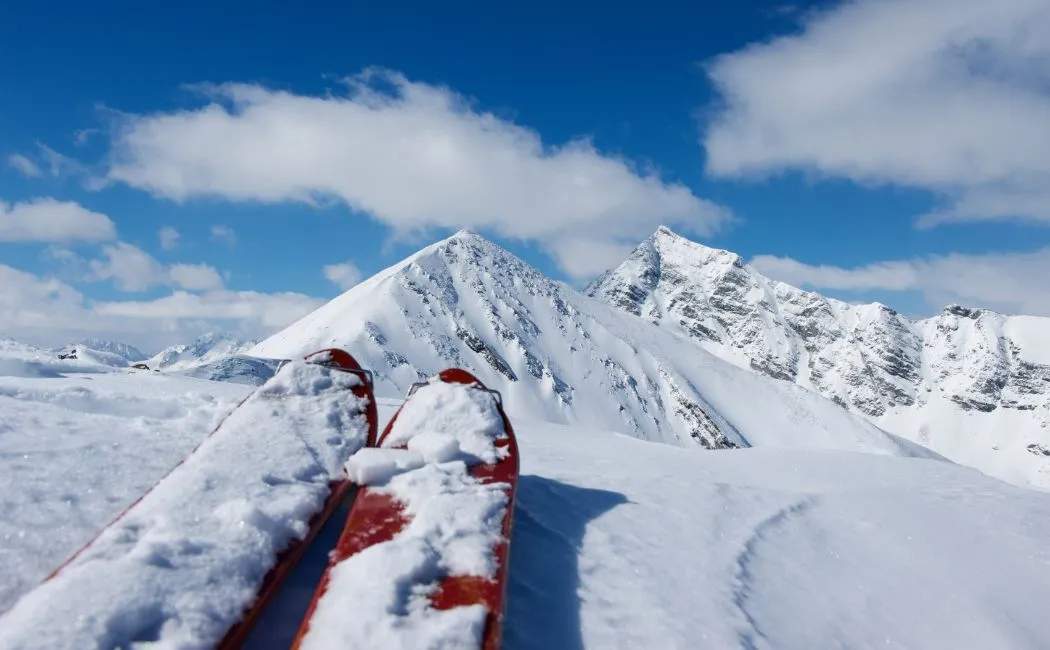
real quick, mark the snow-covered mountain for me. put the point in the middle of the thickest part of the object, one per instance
(208, 348)
(129, 353)
(969, 383)
(560, 356)
(235, 368)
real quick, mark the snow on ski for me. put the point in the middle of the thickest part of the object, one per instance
(193, 561)
(422, 561)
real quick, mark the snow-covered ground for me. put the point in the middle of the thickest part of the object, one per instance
(78, 443)
(617, 542)
(620, 543)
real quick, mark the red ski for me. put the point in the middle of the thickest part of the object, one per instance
(378, 517)
(341, 490)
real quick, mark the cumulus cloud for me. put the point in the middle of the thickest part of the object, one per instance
(944, 95)
(48, 220)
(413, 156)
(132, 269)
(344, 275)
(224, 234)
(48, 312)
(195, 277)
(24, 165)
(1007, 282)
(169, 238)
(129, 267)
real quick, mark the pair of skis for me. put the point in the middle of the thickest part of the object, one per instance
(377, 518)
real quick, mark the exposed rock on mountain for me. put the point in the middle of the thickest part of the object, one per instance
(560, 356)
(970, 383)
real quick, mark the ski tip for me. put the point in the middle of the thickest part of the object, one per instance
(334, 357)
(458, 376)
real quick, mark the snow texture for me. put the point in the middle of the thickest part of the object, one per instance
(617, 543)
(378, 598)
(439, 411)
(78, 443)
(179, 568)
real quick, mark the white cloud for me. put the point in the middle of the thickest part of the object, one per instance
(24, 165)
(132, 269)
(195, 277)
(169, 238)
(129, 267)
(416, 157)
(269, 311)
(1007, 282)
(48, 220)
(224, 234)
(944, 95)
(48, 312)
(344, 275)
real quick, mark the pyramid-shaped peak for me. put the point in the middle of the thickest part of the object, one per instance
(465, 236)
(670, 243)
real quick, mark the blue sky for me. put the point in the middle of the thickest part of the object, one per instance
(837, 146)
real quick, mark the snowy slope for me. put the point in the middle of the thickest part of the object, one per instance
(623, 544)
(79, 442)
(129, 353)
(620, 543)
(183, 563)
(562, 357)
(208, 348)
(236, 368)
(969, 383)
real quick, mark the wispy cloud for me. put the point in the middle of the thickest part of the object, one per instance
(944, 95)
(24, 165)
(412, 155)
(49, 220)
(224, 234)
(169, 238)
(1006, 282)
(59, 164)
(344, 275)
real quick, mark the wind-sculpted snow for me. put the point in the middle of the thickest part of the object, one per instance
(971, 384)
(622, 544)
(562, 356)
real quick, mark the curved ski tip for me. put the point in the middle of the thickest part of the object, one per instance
(334, 357)
(458, 376)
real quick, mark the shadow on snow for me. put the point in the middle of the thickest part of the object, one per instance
(543, 602)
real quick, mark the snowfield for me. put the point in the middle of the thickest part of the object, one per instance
(183, 563)
(78, 443)
(617, 542)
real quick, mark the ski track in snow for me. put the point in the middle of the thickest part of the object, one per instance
(617, 543)
(765, 532)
